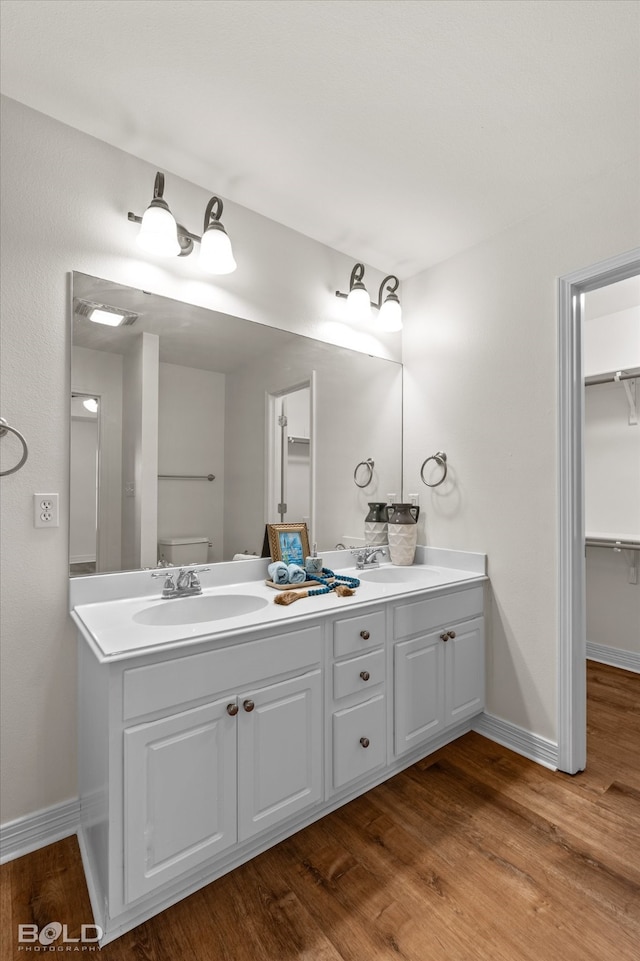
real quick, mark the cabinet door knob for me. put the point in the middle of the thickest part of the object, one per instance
(452, 634)
(232, 709)
(444, 637)
(364, 741)
(248, 705)
(365, 675)
(365, 635)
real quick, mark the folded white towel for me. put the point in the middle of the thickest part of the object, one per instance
(244, 557)
(278, 572)
(297, 574)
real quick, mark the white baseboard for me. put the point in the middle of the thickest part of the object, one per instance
(627, 660)
(36, 830)
(518, 739)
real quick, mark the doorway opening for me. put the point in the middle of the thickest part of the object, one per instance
(572, 722)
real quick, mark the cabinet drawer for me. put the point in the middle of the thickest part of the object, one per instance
(347, 675)
(351, 727)
(165, 685)
(423, 616)
(355, 634)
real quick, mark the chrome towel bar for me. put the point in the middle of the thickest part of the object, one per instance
(207, 477)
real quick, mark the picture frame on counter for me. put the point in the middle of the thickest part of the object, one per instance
(288, 543)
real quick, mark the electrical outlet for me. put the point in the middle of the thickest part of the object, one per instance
(45, 510)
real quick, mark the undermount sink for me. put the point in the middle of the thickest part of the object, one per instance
(196, 610)
(399, 575)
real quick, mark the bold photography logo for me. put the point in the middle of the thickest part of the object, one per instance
(55, 937)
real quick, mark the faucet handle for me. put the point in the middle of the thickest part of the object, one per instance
(168, 575)
(168, 587)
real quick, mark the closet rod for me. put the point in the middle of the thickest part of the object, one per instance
(621, 545)
(630, 374)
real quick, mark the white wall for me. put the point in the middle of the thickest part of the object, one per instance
(65, 198)
(480, 384)
(191, 441)
(612, 342)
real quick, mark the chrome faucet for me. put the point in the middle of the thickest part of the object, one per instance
(366, 557)
(187, 585)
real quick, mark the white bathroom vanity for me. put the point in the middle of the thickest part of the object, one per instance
(210, 728)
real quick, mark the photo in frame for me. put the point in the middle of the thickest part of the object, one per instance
(288, 543)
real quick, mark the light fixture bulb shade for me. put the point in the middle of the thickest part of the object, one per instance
(359, 303)
(390, 317)
(158, 231)
(216, 254)
(91, 404)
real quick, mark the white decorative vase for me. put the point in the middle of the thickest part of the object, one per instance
(375, 534)
(403, 534)
(375, 525)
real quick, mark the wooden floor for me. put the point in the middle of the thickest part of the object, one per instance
(474, 854)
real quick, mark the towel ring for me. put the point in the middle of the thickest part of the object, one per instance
(441, 460)
(4, 427)
(369, 465)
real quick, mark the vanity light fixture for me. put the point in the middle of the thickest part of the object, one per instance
(91, 404)
(160, 234)
(359, 305)
(158, 228)
(216, 255)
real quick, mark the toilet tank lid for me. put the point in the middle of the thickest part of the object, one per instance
(175, 541)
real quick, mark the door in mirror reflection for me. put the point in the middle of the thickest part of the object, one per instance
(289, 495)
(83, 515)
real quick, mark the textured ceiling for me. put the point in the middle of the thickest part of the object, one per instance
(396, 131)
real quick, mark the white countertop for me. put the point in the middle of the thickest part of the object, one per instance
(113, 630)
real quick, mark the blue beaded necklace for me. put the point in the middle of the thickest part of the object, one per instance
(324, 580)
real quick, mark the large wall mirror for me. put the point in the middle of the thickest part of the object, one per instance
(192, 425)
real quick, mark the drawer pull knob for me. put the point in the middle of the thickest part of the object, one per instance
(444, 637)
(364, 741)
(232, 709)
(452, 634)
(365, 675)
(365, 635)
(248, 706)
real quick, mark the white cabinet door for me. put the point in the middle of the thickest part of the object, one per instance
(418, 691)
(279, 752)
(464, 671)
(179, 794)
